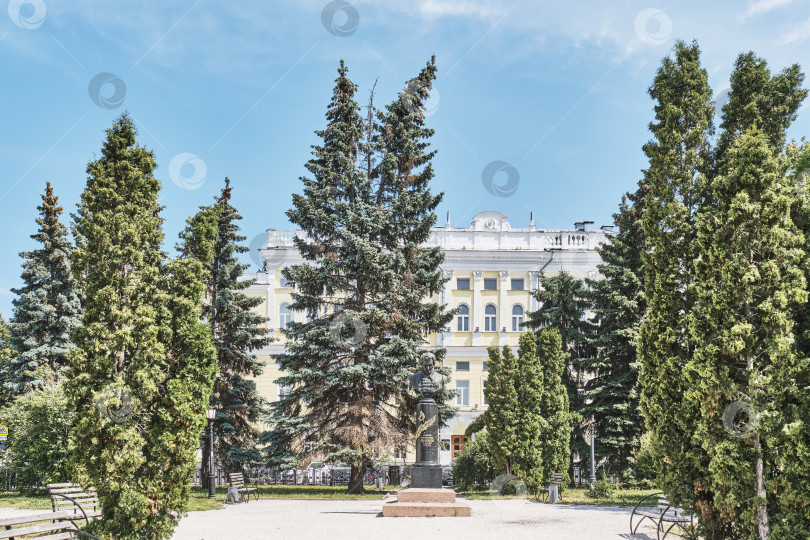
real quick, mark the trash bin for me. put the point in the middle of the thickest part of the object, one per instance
(553, 494)
(233, 495)
(379, 482)
(393, 474)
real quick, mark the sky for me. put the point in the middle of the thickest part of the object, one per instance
(539, 106)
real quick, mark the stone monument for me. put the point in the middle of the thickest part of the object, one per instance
(425, 497)
(427, 471)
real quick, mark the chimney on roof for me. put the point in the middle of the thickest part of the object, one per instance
(588, 225)
(579, 226)
(607, 228)
(531, 221)
(447, 225)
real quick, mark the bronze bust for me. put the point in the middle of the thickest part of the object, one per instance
(427, 381)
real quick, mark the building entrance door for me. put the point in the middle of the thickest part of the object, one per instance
(457, 444)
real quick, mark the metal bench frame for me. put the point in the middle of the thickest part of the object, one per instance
(556, 480)
(661, 516)
(243, 486)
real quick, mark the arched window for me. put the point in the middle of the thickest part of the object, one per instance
(517, 317)
(284, 316)
(463, 318)
(490, 318)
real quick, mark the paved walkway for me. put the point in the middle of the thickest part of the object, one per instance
(334, 520)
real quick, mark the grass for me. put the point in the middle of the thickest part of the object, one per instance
(199, 500)
(621, 497)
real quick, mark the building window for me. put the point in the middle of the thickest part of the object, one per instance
(284, 316)
(462, 366)
(400, 451)
(463, 284)
(517, 285)
(485, 392)
(517, 317)
(486, 366)
(490, 284)
(463, 393)
(463, 318)
(285, 283)
(284, 391)
(490, 318)
(312, 314)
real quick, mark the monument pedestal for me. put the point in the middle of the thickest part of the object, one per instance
(421, 502)
(428, 477)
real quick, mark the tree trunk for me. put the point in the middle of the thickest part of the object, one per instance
(356, 479)
(762, 508)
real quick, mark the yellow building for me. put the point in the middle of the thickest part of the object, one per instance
(491, 267)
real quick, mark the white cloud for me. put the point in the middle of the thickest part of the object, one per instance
(796, 35)
(764, 6)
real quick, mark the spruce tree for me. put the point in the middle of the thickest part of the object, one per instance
(558, 419)
(674, 185)
(143, 365)
(503, 408)
(366, 212)
(617, 301)
(48, 309)
(237, 331)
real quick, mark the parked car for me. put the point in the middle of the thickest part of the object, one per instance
(447, 476)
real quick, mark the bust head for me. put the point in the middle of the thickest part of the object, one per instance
(428, 361)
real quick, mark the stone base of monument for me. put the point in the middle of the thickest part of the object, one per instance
(427, 476)
(421, 502)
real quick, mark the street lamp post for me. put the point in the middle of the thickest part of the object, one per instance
(592, 479)
(211, 413)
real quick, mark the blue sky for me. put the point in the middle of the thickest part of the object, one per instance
(556, 89)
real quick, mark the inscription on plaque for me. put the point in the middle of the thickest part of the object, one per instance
(427, 439)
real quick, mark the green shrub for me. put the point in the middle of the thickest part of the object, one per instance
(602, 489)
(38, 423)
(474, 465)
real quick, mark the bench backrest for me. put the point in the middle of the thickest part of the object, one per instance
(664, 505)
(237, 480)
(73, 497)
(556, 479)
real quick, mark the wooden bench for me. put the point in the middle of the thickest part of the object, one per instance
(80, 502)
(664, 514)
(43, 526)
(238, 482)
(556, 480)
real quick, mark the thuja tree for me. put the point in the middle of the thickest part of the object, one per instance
(48, 308)
(142, 370)
(503, 408)
(366, 210)
(237, 331)
(674, 185)
(558, 419)
(6, 354)
(793, 482)
(617, 302)
(746, 377)
(743, 364)
(563, 303)
(531, 424)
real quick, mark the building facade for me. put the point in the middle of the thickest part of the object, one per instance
(491, 269)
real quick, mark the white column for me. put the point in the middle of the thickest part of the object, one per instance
(503, 309)
(534, 283)
(477, 308)
(447, 301)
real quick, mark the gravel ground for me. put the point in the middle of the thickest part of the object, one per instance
(333, 520)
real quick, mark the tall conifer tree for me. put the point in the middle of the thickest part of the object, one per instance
(675, 187)
(531, 424)
(503, 407)
(48, 309)
(366, 211)
(6, 354)
(237, 331)
(143, 366)
(617, 301)
(558, 419)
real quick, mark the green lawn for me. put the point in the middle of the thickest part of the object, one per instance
(200, 501)
(622, 497)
